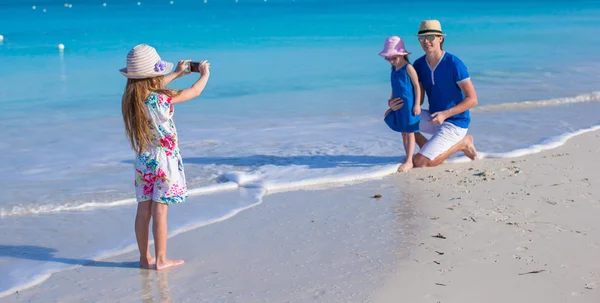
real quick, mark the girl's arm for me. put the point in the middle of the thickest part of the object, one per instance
(422, 94)
(197, 87)
(392, 95)
(412, 73)
(179, 71)
(170, 77)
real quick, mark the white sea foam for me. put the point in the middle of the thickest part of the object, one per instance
(33, 209)
(546, 144)
(591, 97)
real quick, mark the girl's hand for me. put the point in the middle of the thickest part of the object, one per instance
(417, 110)
(182, 68)
(204, 67)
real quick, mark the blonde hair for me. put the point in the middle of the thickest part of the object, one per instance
(134, 110)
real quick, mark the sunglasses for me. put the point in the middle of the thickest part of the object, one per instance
(390, 59)
(429, 38)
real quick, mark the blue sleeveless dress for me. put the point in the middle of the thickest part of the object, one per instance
(403, 120)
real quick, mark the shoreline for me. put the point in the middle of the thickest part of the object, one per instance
(237, 180)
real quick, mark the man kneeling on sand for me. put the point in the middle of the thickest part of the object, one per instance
(450, 93)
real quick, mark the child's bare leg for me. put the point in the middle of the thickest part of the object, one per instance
(409, 146)
(142, 233)
(159, 230)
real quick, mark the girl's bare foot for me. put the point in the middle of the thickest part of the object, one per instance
(147, 263)
(469, 149)
(406, 166)
(168, 263)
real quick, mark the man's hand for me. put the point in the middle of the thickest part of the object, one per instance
(395, 103)
(438, 118)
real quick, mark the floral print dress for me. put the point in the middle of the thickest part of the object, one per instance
(159, 169)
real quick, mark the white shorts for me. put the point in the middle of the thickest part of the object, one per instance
(444, 136)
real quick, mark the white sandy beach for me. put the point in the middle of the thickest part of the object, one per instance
(515, 230)
(510, 230)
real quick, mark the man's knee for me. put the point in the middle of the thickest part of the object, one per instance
(420, 161)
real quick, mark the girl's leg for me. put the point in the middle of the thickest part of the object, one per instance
(409, 146)
(159, 230)
(142, 233)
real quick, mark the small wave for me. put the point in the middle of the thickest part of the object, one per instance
(53, 208)
(545, 144)
(591, 97)
(327, 181)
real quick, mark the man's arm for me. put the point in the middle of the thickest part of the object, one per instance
(468, 102)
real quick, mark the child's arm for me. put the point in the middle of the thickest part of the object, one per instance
(392, 95)
(422, 94)
(179, 72)
(197, 87)
(414, 78)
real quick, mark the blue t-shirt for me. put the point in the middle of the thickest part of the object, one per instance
(441, 85)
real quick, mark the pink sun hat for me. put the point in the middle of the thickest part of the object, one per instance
(394, 46)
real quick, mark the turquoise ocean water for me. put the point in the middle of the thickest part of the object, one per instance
(296, 98)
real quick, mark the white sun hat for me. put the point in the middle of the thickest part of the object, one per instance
(144, 62)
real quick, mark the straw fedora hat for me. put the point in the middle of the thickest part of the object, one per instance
(430, 27)
(144, 62)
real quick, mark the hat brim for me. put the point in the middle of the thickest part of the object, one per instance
(394, 54)
(432, 33)
(168, 69)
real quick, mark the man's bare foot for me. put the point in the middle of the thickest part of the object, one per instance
(147, 263)
(406, 166)
(469, 149)
(168, 263)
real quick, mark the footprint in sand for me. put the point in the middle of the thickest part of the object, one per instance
(591, 285)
